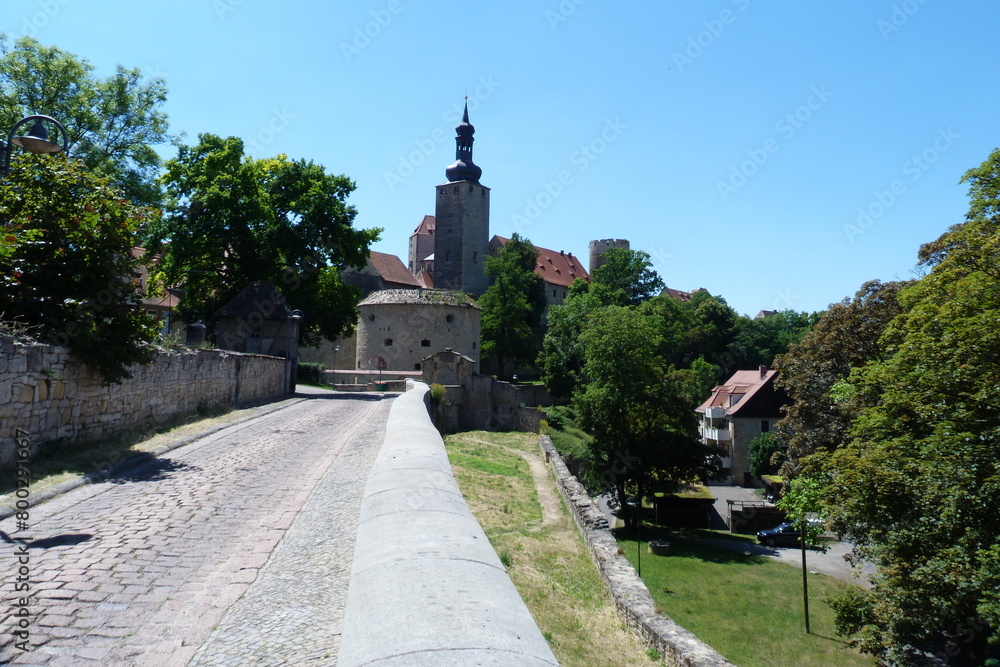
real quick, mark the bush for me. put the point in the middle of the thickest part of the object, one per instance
(439, 395)
(310, 373)
(67, 269)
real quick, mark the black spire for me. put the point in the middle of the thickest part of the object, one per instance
(464, 169)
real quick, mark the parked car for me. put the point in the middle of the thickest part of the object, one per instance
(784, 535)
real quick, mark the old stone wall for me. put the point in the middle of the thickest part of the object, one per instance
(676, 645)
(51, 396)
(403, 326)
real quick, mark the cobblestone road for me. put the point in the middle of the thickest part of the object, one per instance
(204, 557)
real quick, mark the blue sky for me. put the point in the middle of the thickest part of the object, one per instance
(778, 154)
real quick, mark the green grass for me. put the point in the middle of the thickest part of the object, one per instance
(567, 437)
(548, 563)
(749, 608)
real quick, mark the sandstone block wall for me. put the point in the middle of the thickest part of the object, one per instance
(676, 645)
(51, 396)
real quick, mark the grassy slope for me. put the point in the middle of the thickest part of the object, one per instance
(547, 563)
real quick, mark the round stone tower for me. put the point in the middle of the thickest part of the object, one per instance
(598, 248)
(403, 326)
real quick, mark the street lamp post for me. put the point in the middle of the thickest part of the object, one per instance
(335, 351)
(36, 141)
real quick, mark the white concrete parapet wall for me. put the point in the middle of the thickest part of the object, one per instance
(426, 587)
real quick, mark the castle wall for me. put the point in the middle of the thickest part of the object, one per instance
(404, 330)
(47, 395)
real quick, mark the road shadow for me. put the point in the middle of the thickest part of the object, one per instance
(67, 539)
(145, 468)
(333, 395)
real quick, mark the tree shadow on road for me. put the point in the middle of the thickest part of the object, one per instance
(148, 468)
(334, 395)
(67, 539)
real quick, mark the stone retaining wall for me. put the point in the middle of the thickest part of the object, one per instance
(631, 598)
(50, 396)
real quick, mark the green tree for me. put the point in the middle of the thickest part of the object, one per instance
(633, 405)
(561, 358)
(756, 342)
(918, 486)
(848, 335)
(233, 220)
(626, 278)
(765, 454)
(512, 305)
(113, 123)
(66, 263)
(711, 331)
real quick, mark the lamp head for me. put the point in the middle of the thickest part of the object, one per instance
(37, 140)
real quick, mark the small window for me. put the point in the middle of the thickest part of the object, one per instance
(416, 367)
(765, 426)
(475, 257)
(387, 342)
(450, 319)
(425, 343)
(473, 345)
(457, 189)
(371, 318)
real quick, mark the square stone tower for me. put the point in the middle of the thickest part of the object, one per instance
(462, 220)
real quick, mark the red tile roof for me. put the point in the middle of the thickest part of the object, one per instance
(426, 225)
(425, 279)
(683, 297)
(738, 390)
(556, 268)
(392, 269)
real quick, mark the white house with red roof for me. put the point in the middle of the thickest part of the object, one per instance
(738, 411)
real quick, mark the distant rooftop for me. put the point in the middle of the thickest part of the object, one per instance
(438, 297)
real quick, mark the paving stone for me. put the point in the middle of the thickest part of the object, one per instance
(187, 540)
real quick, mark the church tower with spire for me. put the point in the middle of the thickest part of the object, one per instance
(462, 220)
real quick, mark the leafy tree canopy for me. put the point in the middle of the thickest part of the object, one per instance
(848, 335)
(765, 454)
(513, 304)
(626, 278)
(561, 358)
(918, 486)
(67, 269)
(638, 410)
(113, 123)
(233, 220)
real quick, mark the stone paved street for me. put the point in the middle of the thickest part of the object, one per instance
(204, 557)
